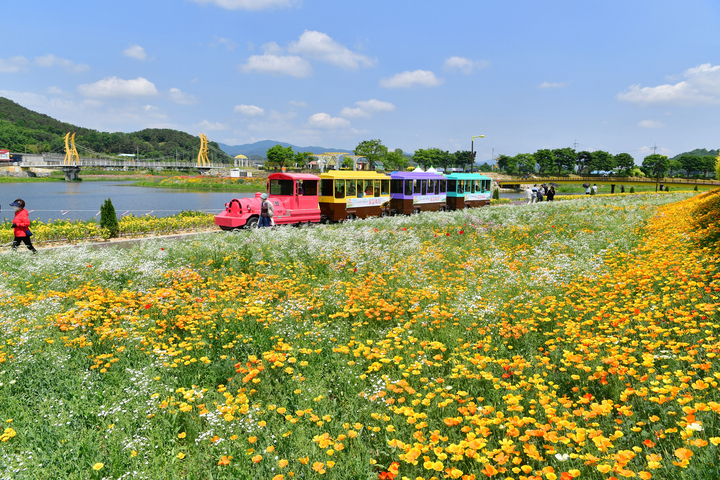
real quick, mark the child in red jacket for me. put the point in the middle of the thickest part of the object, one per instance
(21, 226)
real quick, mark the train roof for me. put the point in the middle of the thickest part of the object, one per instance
(359, 174)
(420, 175)
(467, 176)
(293, 176)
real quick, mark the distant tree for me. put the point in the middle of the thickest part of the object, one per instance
(707, 165)
(108, 220)
(655, 164)
(302, 158)
(525, 162)
(602, 161)
(691, 163)
(674, 165)
(624, 162)
(545, 160)
(565, 159)
(717, 167)
(279, 156)
(373, 150)
(507, 164)
(485, 167)
(347, 162)
(432, 157)
(584, 162)
(462, 158)
(396, 160)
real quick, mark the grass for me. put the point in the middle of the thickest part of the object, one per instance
(559, 340)
(203, 183)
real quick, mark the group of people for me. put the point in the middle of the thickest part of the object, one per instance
(538, 194)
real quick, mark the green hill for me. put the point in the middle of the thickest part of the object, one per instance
(22, 129)
(699, 152)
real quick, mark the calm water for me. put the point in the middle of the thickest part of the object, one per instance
(82, 200)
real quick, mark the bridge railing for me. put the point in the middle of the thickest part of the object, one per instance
(54, 161)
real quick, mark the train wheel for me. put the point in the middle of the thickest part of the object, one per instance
(384, 213)
(252, 222)
(442, 209)
(416, 211)
(351, 217)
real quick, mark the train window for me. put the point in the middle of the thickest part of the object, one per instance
(460, 186)
(432, 184)
(478, 186)
(486, 185)
(416, 187)
(351, 188)
(408, 187)
(423, 189)
(396, 186)
(326, 187)
(307, 187)
(281, 187)
(376, 191)
(339, 188)
(384, 187)
(368, 188)
(452, 185)
(442, 186)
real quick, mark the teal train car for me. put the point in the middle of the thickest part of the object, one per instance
(468, 190)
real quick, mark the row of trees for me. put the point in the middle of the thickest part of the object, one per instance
(567, 160)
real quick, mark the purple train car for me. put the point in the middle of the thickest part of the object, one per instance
(415, 192)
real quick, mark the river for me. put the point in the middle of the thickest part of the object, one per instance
(82, 200)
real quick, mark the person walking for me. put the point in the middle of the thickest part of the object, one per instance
(528, 195)
(266, 212)
(533, 193)
(551, 194)
(595, 188)
(540, 193)
(21, 226)
(622, 188)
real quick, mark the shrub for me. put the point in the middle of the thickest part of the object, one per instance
(632, 189)
(496, 194)
(108, 220)
(696, 189)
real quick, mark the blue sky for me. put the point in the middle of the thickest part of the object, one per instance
(613, 75)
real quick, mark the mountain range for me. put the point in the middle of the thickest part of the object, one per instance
(258, 149)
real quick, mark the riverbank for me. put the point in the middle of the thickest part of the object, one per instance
(205, 184)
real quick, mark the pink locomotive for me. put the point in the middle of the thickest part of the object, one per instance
(294, 197)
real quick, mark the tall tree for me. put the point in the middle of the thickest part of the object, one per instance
(506, 163)
(655, 164)
(396, 160)
(584, 162)
(525, 162)
(302, 158)
(565, 159)
(624, 162)
(691, 163)
(279, 156)
(463, 157)
(544, 159)
(373, 150)
(602, 161)
(674, 166)
(708, 164)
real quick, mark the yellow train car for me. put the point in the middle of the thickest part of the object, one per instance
(347, 194)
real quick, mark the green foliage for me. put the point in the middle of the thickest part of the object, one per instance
(485, 167)
(545, 160)
(632, 189)
(373, 150)
(624, 162)
(109, 225)
(507, 164)
(302, 158)
(396, 161)
(717, 168)
(433, 157)
(700, 152)
(496, 194)
(279, 156)
(565, 159)
(696, 188)
(655, 164)
(460, 158)
(584, 162)
(525, 162)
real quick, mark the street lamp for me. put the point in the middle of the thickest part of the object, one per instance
(472, 150)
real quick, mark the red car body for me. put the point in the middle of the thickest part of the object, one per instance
(294, 197)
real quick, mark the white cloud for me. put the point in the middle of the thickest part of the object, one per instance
(51, 60)
(226, 42)
(700, 87)
(407, 79)
(278, 65)
(366, 108)
(299, 104)
(320, 46)
(117, 87)
(54, 90)
(651, 124)
(136, 51)
(553, 85)
(464, 65)
(212, 126)
(181, 98)
(248, 110)
(248, 4)
(13, 64)
(271, 48)
(323, 120)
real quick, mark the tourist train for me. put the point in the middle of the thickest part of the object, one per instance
(339, 195)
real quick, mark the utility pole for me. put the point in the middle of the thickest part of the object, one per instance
(575, 145)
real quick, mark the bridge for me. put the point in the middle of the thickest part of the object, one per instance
(609, 180)
(71, 162)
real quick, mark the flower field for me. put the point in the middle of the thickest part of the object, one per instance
(554, 341)
(72, 231)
